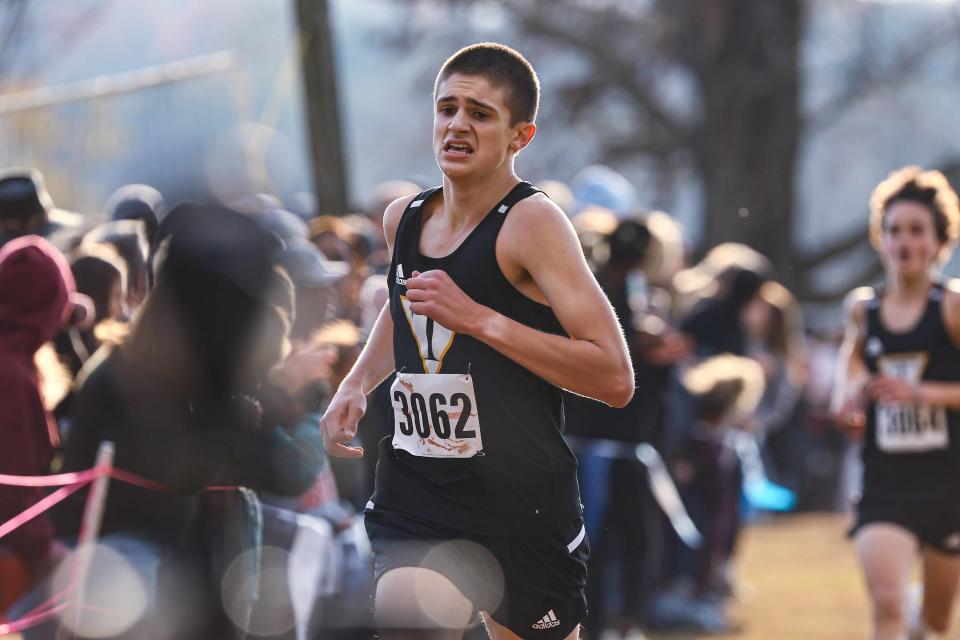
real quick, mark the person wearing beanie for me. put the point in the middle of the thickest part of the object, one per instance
(27, 208)
(137, 202)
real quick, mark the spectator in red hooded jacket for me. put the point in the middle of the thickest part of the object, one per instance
(37, 295)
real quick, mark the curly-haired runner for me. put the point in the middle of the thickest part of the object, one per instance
(898, 385)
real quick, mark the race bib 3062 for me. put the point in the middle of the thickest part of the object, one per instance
(435, 415)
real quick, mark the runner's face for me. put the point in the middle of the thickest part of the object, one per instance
(471, 127)
(910, 243)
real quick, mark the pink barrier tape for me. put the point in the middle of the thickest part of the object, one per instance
(63, 479)
(44, 612)
(50, 603)
(32, 512)
(134, 479)
(74, 482)
(33, 620)
(49, 481)
(69, 484)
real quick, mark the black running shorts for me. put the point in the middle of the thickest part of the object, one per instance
(935, 523)
(534, 585)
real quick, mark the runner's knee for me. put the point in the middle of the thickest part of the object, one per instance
(412, 599)
(889, 606)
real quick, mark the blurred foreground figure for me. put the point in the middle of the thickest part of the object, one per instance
(178, 399)
(898, 388)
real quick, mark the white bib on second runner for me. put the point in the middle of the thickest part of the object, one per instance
(909, 427)
(435, 415)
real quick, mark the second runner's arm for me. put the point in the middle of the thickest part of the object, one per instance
(847, 402)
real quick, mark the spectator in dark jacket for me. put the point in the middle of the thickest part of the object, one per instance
(715, 324)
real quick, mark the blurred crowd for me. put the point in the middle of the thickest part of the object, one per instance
(205, 340)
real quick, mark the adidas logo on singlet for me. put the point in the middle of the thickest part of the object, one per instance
(400, 278)
(548, 621)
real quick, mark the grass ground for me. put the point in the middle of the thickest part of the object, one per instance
(802, 582)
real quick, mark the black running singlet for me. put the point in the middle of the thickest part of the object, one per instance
(477, 439)
(912, 451)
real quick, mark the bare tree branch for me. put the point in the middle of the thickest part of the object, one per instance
(870, 272)
(870, 80)
(617, 149)
(606, 61)
(12, 18)
(844, 244)
(859, 237)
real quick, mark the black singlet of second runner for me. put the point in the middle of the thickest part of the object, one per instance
(911, 452)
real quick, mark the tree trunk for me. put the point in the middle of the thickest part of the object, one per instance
(322, 107)
(746, 146)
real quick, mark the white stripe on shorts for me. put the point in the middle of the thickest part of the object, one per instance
(576, 541)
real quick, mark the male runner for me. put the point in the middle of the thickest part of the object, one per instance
(492, 310)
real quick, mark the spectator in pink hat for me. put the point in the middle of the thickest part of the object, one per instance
(37, 297)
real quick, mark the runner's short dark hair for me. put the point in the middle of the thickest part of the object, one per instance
(502, 67)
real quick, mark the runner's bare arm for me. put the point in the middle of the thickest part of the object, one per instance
(945, 394)
(339, 422)
(851, 372)
(537, 237)
(376, 360)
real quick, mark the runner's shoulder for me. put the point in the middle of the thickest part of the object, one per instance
(856, 302)
(951, 297)
(536, 215)
(392, 215)
(951, 289)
